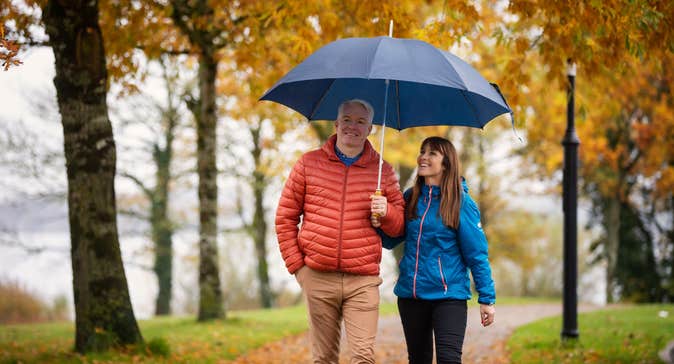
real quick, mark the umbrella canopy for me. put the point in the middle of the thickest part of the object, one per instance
(427, 86)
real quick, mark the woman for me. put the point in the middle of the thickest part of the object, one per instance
(444, 238)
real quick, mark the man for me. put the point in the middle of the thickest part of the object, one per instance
(336, 252)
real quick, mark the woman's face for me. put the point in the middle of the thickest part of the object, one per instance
(430, 165)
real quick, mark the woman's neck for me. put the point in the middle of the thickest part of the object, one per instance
(431, 181)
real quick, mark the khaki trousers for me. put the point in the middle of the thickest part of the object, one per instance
(333, 296)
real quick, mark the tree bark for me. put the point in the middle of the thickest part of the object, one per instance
(189, 17)
(259, 227)
(103, 312)
(162, 228)
(210, 298)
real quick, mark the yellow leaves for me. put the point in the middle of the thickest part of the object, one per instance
(521, 45)
(329, 20)
(301, 43)
(665, 184)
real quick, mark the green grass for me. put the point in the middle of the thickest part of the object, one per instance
(189, 341)
(631, 334)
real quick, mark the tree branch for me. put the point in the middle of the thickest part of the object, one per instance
(12, 240)
(148, 192)
(132, 213)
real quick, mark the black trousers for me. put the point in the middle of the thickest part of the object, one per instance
(422, 319)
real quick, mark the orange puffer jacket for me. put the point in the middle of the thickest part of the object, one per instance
(334, 203)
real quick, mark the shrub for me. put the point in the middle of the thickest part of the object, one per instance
(19, 305)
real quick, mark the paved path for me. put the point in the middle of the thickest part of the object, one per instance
(481, 345)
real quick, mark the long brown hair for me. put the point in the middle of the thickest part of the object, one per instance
(450, 183)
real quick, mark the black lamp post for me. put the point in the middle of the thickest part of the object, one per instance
(570, 202)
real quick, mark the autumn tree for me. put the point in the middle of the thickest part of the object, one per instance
(624, 99)
(104, 315)
(159, 120)
(203, 30)
(101, 293)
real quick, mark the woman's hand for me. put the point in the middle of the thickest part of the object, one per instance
(487, 313)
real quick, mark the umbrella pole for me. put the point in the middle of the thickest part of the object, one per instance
(381, 141)
(383, 124)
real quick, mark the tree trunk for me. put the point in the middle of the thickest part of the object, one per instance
(524, 283)
(612, 245)
(192, 19)
(103, 312)
(669, 283)
(210, 298)
(259, 226)
(162, 229)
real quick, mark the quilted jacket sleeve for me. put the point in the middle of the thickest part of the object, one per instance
(290, 208)
(474, 250)
(393, 224)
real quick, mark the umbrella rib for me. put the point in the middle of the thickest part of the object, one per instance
(397, 101)
(313, 111)
(475, 115)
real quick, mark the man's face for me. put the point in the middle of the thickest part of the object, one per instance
(352, 126)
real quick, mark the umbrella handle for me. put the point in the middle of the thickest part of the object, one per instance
(377, 192)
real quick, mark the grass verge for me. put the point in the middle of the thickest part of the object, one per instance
(187, 340)
(629, 334)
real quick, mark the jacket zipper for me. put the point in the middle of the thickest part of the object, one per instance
(442, 276)
(421, 226)
(341, 220)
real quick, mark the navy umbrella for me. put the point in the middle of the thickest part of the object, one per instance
(408, 82)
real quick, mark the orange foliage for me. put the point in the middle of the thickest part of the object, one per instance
(624, 105)
(11, 49)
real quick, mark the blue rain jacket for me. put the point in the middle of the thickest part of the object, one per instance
(437, 258)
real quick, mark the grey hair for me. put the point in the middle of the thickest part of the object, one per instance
(365, 104)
